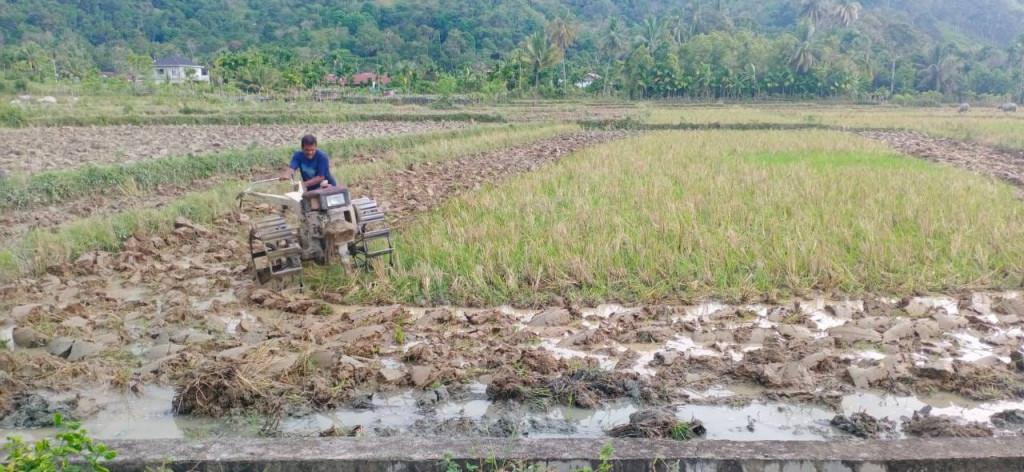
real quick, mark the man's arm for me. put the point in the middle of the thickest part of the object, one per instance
(292, 167)
(314, 181)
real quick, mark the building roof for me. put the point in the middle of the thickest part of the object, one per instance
(171, 61)
(367, 77)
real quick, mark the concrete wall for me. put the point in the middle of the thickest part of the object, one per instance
(420, 454)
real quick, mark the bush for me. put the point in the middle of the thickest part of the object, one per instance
(12, 116)
(924, 99)
(71, 450)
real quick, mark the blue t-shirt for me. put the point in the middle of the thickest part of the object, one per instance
(318, 166)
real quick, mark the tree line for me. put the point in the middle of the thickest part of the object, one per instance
(722, 49)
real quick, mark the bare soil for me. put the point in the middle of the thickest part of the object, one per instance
(29, 150)
(401, 192)
(1005, 165)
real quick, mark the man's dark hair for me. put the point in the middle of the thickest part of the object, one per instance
(308, 140)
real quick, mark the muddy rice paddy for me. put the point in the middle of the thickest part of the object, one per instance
(171, 338)
(29, 150)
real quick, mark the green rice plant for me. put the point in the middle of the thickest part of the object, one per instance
(52, 187)
(981, 125)
(41, 248)
(732, 215)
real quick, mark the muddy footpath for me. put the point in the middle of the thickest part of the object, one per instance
(30, 150)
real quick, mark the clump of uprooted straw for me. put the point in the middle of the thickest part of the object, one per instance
(658, 423)
(221, 387)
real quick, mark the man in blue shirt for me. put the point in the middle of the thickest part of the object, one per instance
(313, 164)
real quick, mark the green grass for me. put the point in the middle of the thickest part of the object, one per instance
(40, 248)
(177, 106)
(983, 125)
(57, 186)
(732, 215)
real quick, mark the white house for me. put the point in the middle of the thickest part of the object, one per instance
(176, 70)
(588, 80)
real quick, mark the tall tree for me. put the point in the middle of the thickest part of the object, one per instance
(653, 33)
(540, 53)
(807, 53)
(938, 70)
(1016, 56)
(847, 12)
(612, 46)
(561, 33)
(814, 10)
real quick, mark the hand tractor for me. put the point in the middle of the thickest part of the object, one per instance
(325, 226)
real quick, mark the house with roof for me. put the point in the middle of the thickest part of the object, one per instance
(177, 69)
(367, 78)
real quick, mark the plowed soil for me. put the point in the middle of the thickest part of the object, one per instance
(400, 193)
(1005, 165)
(31, 150)
(182, 311)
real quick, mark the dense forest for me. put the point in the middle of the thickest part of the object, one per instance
(952, 49)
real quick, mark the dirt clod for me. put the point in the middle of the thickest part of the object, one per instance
(863, 425)
(923, 425)
(658, 424)
(1008, 419)
(35, 411)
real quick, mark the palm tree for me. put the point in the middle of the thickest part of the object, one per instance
(847, 12)
(1016, 55)
(653, 33)
(561, 34)
(814, 10)
(807, 53)
(938, 70)
(35, 58)
(540, 54)
(612, 46)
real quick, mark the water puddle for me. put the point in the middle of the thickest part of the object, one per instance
(7, 337)
(124, 416)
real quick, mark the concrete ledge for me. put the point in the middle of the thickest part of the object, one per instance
(424, 454)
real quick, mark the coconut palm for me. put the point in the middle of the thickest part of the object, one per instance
(847, 12)
(540, 54)
(1016, 56)
(653, 33)
(938, 70)
(612, 47)
(807, 53)
(561, 33)
(814, 10)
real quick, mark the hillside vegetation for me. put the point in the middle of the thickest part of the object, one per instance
(640, 48)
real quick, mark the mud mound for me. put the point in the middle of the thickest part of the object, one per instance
(1009, 419)
(583, 385)
(923, 425)
(1005, 165)
(977, 382)
(658, 424)
(863, 425)
(35, 411)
